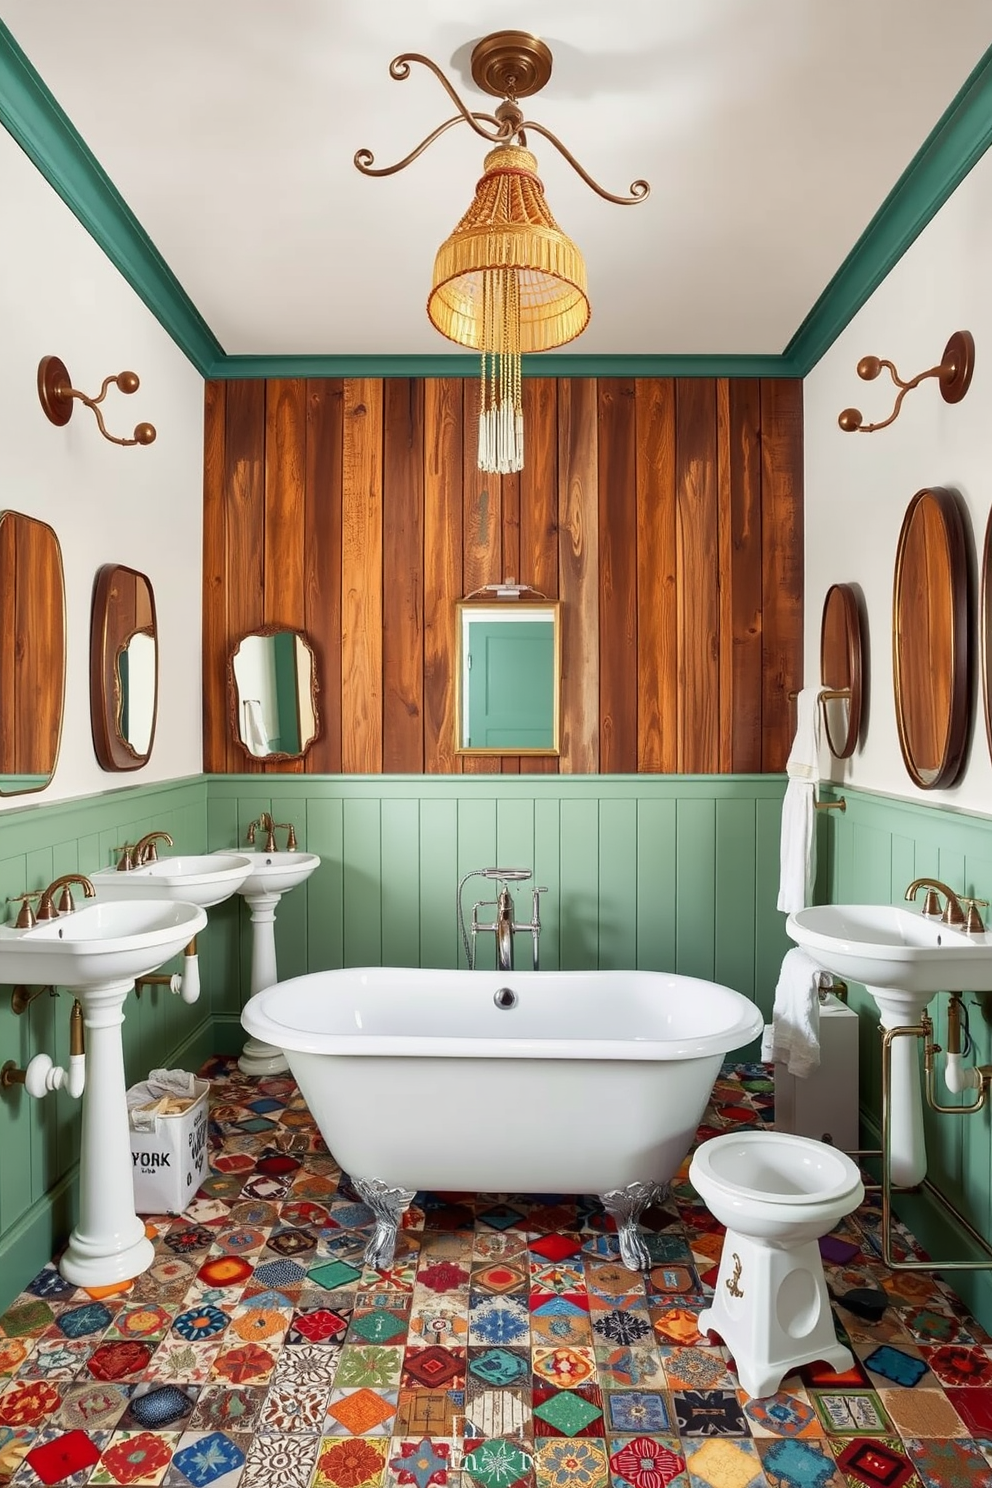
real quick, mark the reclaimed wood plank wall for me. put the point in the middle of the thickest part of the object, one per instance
(666, 514)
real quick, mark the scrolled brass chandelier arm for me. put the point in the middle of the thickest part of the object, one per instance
(399, 69)
(364, 158)
(639, 190)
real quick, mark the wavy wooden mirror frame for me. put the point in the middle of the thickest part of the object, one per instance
(842, 668)
(123, 607)
(32, 653)
(930, 640)
(307, 700)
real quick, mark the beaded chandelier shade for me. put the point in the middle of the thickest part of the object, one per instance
(507, 281)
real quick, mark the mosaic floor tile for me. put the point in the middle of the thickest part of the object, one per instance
(799, 1464)
(924, 1413)
(724, 1463)
(360, 1412)
(507, 1338)
(948, 1464)
(358, 1462)
(647, 1461)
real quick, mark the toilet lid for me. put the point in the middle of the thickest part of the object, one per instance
(775, 1167)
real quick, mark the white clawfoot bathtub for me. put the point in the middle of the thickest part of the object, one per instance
(505, 1082)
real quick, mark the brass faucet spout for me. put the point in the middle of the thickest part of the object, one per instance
(953, 913)
(47, 909)
(145, 851)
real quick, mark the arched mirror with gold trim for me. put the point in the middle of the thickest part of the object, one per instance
(123, 668)
(842, 669)
(32, 653)
(272, 686)
(930, 650)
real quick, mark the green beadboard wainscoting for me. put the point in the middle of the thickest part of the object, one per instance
(671, 872)
(39, 1140)
(868, 856)
(667, 872)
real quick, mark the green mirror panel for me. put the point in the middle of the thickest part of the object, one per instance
(273, 691)
(123, 668)
(32, 653)
(509, 678)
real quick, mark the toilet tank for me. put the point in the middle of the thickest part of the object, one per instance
(825, 1104)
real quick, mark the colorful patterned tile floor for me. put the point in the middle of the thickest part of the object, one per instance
(505, 1346)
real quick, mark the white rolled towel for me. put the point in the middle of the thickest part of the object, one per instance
(795, 1040)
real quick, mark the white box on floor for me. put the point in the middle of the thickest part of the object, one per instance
(825, 1104)
(169, 1162)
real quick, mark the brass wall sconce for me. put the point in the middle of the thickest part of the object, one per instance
(56, 393)
(953, 375)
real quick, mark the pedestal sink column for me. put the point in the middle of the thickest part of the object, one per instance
(258, 1057)
(108, 1243)
(907, 1145)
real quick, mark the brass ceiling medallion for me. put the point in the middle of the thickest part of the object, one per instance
(953, 375)
(511, 64)
(507, 280)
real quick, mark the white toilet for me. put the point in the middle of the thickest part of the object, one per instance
(776, 1194)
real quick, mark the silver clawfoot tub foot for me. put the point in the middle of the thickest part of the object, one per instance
(626, 1205)
(388, 1205)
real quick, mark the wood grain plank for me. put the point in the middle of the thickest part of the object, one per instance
(578, 528)
(215, 631)
(403, 575)
(617, 575)
(657, 592)
(782, 563)
(538, 494)
(8, 644)
(482, 551)
(361, 578)
(442, 568)
(322, 563)
(741, 574)
(285, 495)
(699, 615)
(244, 483)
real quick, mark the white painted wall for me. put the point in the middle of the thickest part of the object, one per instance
(859, 485)
(59, 295)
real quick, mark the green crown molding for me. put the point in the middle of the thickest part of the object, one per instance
(36, 121)
(956, 143)
(547, 364)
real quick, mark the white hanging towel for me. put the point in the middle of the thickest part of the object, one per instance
(797, 855)
(795, 1026)
(256, 738)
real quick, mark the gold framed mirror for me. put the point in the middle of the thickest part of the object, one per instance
(272, 689)
(123, 668)
(842, 669)
(509, 677)
(32, 653)
(930, 641)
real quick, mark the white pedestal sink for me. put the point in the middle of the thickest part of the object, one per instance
(205, 879)
(272, 875)
(96, 952)
(902, 959)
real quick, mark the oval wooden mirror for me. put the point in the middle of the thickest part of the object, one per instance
(842, 669)
(985, 630)
(930, 660)
(32, 653)
(272, 681)
(123, 668)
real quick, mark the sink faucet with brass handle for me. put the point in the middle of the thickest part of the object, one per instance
(953, 914)
(270, 827)
(47, 908)
(145, 851)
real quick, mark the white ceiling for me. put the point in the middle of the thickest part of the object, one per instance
(770, 131)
